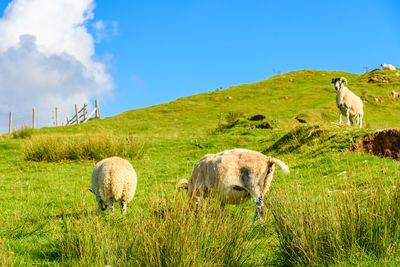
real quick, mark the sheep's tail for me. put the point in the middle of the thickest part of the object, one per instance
(282, 165)
(182, 184)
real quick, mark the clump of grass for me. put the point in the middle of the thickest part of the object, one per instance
(23, 224)
(235, 123)
(82, 148)
(345, 226)
(22, 132)
(231, 117)
(170, 232)
(380, 76)
(200, 143)
(5, 259)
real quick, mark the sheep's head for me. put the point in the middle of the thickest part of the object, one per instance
(182, 184)
(103, 205)
(338, 82)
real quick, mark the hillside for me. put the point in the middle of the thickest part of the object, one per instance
(48, 215)
(307, 93)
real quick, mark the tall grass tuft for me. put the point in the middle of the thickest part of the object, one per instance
(81, 148)
(5, 258)
(22, 132)
(168, 233)
(231, 117)
(342, 226)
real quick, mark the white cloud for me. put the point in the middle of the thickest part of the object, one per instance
(46, 60)
(105, 30)
(99, 25)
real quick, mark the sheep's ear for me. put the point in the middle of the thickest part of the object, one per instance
(333, 81)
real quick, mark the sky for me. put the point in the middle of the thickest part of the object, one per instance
(134, 54)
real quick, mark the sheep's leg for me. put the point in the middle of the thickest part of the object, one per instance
(111, 204)
(260, 211)
(340, 115)
(348, 116)
(99, 206)
(360, 119)
(123, 206)
(255, 216)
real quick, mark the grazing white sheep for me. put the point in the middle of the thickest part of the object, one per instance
(347, 102)
(387, 67)
(234, 176)
(395, 94)
(113, 179)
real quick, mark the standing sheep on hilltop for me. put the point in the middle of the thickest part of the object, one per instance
(348, 102)
(113, 179)
(387, 67)
(234, 176)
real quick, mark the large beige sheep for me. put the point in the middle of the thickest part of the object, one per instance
(234, 176)
(347, 102)
(113, 179)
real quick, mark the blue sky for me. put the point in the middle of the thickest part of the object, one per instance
(157, 51)
(169, 49)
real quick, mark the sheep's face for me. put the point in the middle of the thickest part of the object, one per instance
(339, 82)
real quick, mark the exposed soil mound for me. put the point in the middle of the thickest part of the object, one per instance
(301, 120)
(264, 125)
(384, 143)
(258, 117)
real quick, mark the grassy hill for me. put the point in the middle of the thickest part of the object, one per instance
(282, 97)
(48, 215)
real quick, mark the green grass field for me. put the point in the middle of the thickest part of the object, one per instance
(335, 208)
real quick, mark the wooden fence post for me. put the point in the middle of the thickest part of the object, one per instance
(10, 123)
(77, 114)
(84, 112)
(33, 118)
(97, 109)
(56, 116)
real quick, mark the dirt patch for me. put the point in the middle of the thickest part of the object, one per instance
(384, 143)
(301, 120)
(258, 117)
(264, 125)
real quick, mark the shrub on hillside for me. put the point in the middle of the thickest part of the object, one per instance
(316, 139)
(81, 148)
(244, 126)
(231, 117)
(22, 132)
